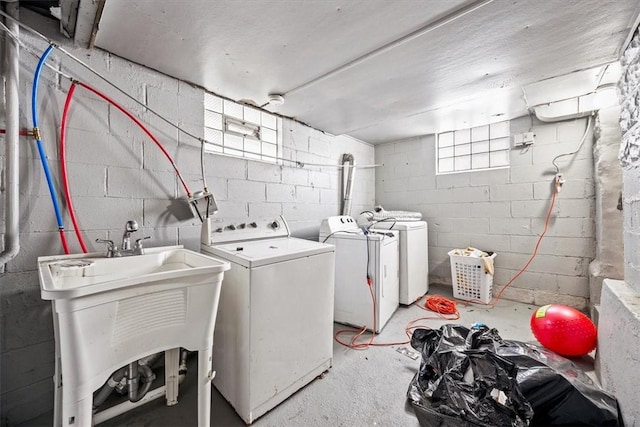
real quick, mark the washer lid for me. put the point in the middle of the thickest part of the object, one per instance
(399, 225)
(255, 253)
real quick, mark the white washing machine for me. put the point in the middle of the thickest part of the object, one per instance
(360, 255)
(274, 331)
(414, 257)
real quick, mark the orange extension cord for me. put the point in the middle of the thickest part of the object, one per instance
(445, 308)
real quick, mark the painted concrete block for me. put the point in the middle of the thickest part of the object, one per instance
(226, 167)
(572, 130)
(470, 225)
(491, 209)
(24, 404)
(258, 171)
(189, 237)
(116, 212)
(528, 174)
(493, 243)
(251, 191)
(575, 208)
(453, 240)
(515, 293)
(532, 209)
(536, 281)
(455, 210)
(471, 194)
(572, 285)
(320, 179)
(281, 193)
(307, 195)
(91, 114)
(544, 298)
(320, 146)
(27, 365)
(37, 215)
(305, 157)
(296, 176)
(164, 102)
(515, 226)
(232, 209)
(618, 352)
(508, 192)
(264, 210)
(137, 183)
(453, 180)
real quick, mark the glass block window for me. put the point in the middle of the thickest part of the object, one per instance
(482, 147)
(241, 130)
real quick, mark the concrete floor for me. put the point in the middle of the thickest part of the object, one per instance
(363, 388)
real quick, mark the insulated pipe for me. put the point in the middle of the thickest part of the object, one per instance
(12, 215)
(106, 389)
(346, 202)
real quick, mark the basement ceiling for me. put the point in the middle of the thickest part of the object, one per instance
(377, 70)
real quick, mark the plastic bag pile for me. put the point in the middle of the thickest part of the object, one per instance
(472, 377)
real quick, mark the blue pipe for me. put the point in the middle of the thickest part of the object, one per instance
(43, 155)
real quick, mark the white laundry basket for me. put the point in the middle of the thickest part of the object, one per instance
(470, 280)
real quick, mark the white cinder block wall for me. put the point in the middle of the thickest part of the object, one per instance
(504, 210)
(116, 173)
(619, 319)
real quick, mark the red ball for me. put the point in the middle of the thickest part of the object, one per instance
(564, 330)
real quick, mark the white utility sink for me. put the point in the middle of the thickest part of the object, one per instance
(109, 312)
(73, 276)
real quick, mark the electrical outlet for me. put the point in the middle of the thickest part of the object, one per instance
(527, 138)
(518, 140)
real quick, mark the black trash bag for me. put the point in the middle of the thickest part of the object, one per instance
(559, 393)
(460, 383)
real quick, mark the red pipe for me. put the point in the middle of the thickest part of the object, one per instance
(63, 167)
(141, 126)
(63, 239)
(21, 133)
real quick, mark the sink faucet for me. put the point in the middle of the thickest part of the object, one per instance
(126, 249)
(130, 227)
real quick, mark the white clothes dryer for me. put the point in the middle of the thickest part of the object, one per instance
(362, 257)
(274, 331)
(414, 257)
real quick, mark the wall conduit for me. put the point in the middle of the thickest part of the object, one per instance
(12, 210)
(348, 192)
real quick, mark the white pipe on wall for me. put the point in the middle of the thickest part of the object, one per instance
(12, 154)
(346, 203)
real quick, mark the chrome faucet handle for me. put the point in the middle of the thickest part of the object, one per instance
(138, 249)
(112, 249)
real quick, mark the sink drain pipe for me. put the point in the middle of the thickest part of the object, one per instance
(132, 373)
(348, 192)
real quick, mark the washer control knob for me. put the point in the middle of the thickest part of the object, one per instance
(253, 225)
(219, 230)
(275, 225)
(242, 226)
(231, 227)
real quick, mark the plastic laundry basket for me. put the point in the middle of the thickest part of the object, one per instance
(470, 280)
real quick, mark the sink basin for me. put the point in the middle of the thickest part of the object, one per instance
(108, 312)
(72, 276)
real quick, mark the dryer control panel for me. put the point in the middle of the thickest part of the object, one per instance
(218, 232)
(334, 224)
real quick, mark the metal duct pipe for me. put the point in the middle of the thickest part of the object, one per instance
(346, 202)
(12, 154)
